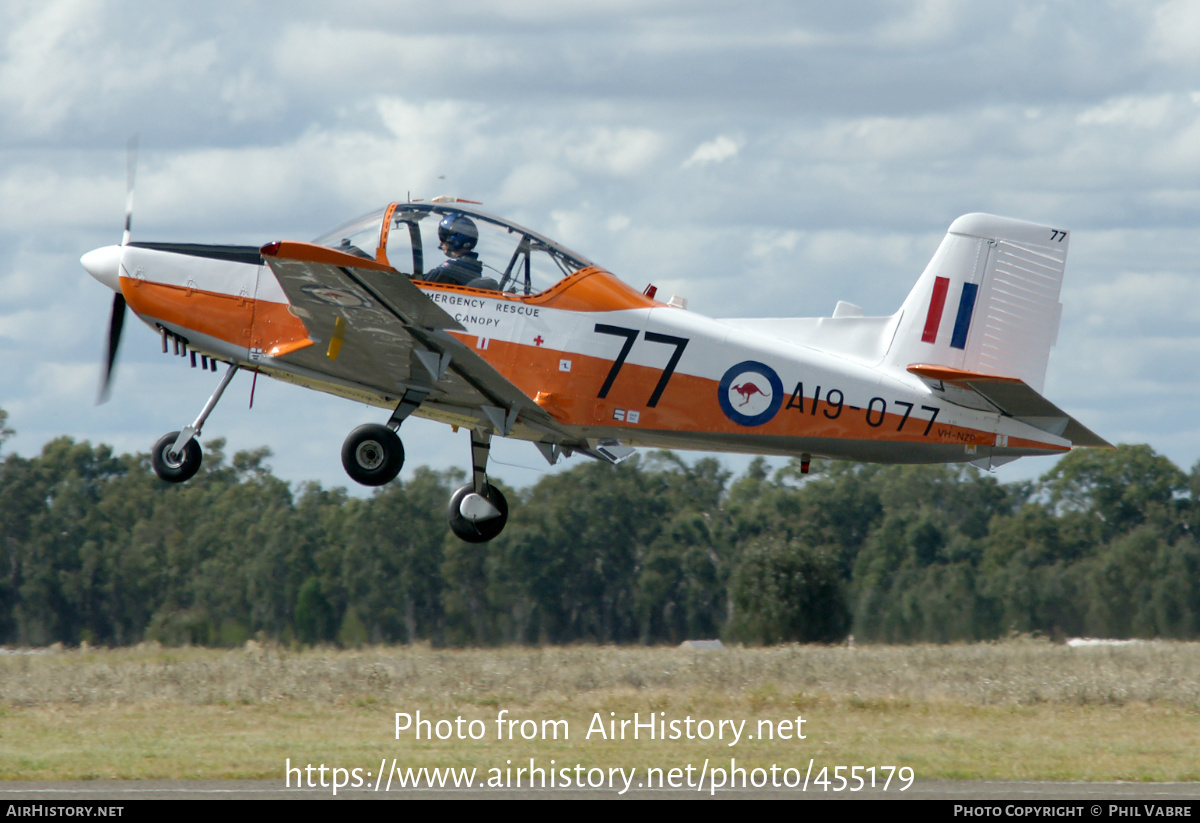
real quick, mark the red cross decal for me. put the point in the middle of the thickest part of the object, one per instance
(538, 340)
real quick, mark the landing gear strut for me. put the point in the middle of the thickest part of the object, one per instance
(373, 455)
(176, 456)
(478, 511)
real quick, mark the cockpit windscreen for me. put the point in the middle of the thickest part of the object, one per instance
(448, 243)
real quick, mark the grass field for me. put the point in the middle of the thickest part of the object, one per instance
(1015, 710)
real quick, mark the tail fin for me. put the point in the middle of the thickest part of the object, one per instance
(987, 302)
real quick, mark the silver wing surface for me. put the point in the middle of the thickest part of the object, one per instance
(373, 329)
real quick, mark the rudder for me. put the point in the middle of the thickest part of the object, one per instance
(988, 300)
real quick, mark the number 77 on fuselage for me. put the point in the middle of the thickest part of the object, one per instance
(441, 310)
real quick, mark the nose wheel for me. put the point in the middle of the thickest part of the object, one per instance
(175, 466)
(373, 455)
(477, 518)
(478, 511)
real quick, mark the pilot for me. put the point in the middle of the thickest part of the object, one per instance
(458, 237)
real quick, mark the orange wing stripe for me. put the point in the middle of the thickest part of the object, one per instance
(287, 348)
(312, 253)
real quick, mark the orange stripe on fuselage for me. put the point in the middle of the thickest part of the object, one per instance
(588, 290)
(275, 327)
(224, 316)
(238, 320)
(231, 317)
(690, 403)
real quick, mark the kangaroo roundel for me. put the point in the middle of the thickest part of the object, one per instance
(750, 393)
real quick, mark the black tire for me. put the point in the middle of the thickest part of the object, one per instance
(175, 468)
(472, 532)
(372, 455)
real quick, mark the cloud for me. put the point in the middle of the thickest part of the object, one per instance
(717, 150)
(1142, 112)
(535, 181)
(758, 162)
(616, 151)
(1172, 33)
(71, 66)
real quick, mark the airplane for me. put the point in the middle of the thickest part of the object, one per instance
(442, 310)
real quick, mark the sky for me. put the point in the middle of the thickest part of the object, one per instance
(760, 160)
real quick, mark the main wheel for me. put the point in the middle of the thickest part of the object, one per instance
(474, 526)
(372, 455)
(172, 467)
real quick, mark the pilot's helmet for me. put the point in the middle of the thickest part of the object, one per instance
(458, 232)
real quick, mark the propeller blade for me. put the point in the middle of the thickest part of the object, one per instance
(116, 320)
(115, 323)
(130, 170)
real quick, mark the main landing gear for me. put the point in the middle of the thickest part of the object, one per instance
(477, 511)
(373, 455)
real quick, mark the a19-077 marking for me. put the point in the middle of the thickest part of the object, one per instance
(876, 410)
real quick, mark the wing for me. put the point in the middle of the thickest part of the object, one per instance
(369, 327)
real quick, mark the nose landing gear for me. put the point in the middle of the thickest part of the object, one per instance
(175, 466)
(177, 456)
(478, 511)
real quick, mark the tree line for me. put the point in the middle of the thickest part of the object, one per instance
(93, 547)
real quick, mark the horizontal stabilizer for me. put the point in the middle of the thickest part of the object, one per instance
(1010, 396)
